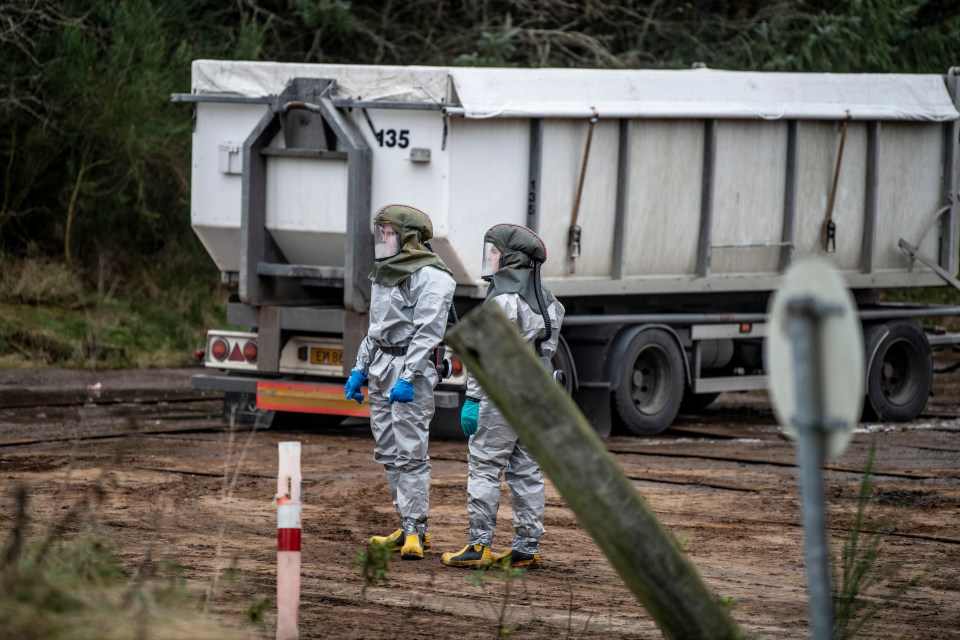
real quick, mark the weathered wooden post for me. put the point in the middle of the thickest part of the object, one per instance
(288, 540)
(608, 506)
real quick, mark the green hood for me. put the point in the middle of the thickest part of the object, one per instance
(414, 228)
(519, 248)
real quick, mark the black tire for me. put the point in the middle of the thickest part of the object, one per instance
(650, 389)
(306, 421)
(445, 424)
(240, 412)
(899, 373)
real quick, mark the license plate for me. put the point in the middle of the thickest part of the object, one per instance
(326, 356)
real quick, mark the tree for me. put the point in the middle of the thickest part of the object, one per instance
(93, 155)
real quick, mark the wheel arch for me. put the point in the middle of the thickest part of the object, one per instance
(872, 333)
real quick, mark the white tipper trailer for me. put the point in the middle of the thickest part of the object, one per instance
(671, 203)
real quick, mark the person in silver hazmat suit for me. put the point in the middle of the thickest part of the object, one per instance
(409, 305)
(511, 263)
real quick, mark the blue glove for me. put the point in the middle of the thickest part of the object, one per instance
(352, 388)
(401, 392)
(468, 417)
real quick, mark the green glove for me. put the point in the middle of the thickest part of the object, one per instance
(468, 416)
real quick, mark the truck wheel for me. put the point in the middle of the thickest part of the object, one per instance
(648, 396)
(240, 411)
(445, 425)
(306, 421)
(900, 371)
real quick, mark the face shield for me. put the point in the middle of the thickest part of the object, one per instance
(387, 241)
(491, 260)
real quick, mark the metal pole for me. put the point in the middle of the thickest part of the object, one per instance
(706, 198)
(804, 318)
(288, 540)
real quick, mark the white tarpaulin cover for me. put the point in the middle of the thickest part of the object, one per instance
(360, 82)
(575, 93)
(700, 93)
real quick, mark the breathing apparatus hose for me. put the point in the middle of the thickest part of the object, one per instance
(441, 363)
(452, 317)
(538, 290)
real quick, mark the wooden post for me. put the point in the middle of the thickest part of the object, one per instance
(548, 422)
(288, 540)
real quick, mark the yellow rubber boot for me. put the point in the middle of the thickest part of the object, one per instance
(517, 559)
(412, 549)
(472, 555)
(395, 540)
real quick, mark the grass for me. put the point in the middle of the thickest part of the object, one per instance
(863, 570)
(373, 564)
(154, 316)
(508, 575)
(65, 579)
(57, 587)
(233, 460)
(505, 628)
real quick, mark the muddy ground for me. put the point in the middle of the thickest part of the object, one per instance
(178, 485)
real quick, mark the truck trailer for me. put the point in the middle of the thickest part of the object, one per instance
(671, 203)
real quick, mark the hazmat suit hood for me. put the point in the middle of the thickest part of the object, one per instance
(414, 228)
(519, 250)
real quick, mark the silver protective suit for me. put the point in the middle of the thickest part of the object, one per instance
(413, 315)
(495, 449)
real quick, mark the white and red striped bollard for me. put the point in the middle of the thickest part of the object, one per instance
(289, 484)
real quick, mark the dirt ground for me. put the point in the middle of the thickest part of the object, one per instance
(724, 483)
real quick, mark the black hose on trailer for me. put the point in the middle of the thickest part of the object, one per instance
(452, 318)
